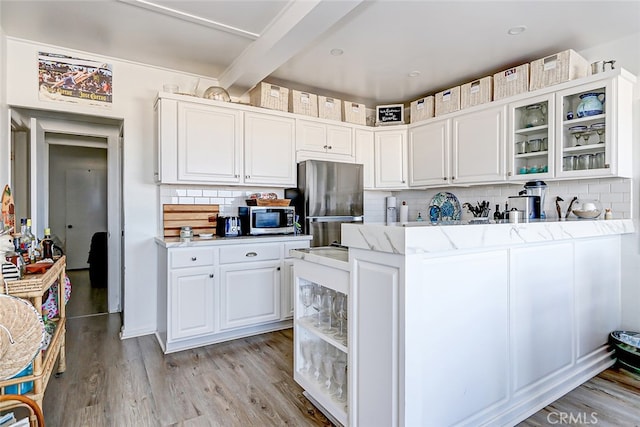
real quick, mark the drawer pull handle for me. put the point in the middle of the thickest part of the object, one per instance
(193, 258)
(251, 254)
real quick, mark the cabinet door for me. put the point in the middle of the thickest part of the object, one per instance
(365, 155)
(269, 150)
(249, 294)
(286, 289)
(339, 140)
(191, 302)
(478, 146)
(391, 159)
(166, 150)
(311, 136)
(209, 143)
(429, 154)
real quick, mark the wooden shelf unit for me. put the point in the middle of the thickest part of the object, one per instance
(32, 288)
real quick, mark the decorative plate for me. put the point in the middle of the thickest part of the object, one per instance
(444, 205)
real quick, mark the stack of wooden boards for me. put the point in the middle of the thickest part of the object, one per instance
(201, 218)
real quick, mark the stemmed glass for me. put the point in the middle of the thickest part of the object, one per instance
(585, 137)
(340, 377)
(306, 296)
(327, 365)
(307, 348)
(577, 135)
(326, 310)
(316, 303)
(340, 311)
(599, 128)
(577, 132)
(316, 358)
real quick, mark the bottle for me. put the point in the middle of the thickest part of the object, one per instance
(419, 217)
(26, 240)
(608, 214)
(404, 212)
(496, 214)
(47, 244)
(32, 244)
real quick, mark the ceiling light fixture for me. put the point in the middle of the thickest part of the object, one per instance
(337, 52)
(514, 31)
(414, 73)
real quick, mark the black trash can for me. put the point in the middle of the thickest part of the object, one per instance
(627, 349)
(98, 260)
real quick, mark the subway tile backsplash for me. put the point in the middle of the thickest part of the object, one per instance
(613, 193)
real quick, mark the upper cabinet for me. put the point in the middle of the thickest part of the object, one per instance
(202, 143)
(429, 147)
(478, 142)
(391, 158)
(365, 155)
(209, 143)
(269, 150)
(322, 141)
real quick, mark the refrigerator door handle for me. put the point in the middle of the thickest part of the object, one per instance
(335, 218)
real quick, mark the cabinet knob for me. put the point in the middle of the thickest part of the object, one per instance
(444, 178)
(325, 147)
(452, 178)
(250, 254)
(509, 173)
(193, 258)
(278, 268)
(211, 275)
(329, 147)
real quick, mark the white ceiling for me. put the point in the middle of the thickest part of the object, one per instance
(289, 42)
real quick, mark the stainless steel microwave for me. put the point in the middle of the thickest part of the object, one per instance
(257, 220)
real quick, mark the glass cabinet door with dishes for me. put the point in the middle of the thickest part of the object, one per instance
(531, 142)
(320, 340)
(585, 140)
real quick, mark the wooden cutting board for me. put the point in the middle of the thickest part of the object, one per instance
(197, 216)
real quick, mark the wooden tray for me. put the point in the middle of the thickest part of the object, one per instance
(201, 218)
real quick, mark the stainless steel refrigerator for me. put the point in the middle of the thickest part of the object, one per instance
(329, 194)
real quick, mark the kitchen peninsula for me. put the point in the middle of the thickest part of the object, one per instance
(477, 324)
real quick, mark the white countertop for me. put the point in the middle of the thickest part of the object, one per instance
(175, 242)
(423, 237)
(329, 256)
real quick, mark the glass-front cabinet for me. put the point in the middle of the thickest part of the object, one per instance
(531, 139)
(320, 337)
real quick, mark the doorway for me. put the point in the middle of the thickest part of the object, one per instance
(71, 165)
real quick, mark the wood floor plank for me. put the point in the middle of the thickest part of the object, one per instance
(246, 382)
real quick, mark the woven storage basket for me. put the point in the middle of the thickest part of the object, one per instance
(354, 113)
(447, 101)
(511, 82)
(329, 108)
(557, 68)
(303, 103)
(270, 96)
(422, 109)
(476, 92)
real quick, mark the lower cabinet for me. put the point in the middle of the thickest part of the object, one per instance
(218, 291)
(249, 294)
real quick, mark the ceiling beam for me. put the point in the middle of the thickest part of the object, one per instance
(295, 27)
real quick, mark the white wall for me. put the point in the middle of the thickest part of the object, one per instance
(5, 145)
(135, 87)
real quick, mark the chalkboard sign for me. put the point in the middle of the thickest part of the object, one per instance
(390, 114)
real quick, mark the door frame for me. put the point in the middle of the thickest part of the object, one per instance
(111, 131)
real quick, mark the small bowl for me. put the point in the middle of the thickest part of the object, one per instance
(205, 235)
(587, 208)
(586, 214)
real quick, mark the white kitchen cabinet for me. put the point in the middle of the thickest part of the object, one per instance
(531, 141)
(209, 143)
(269, 150)
(478, 146)
(365, 155)
(249, 293)
(323, 141)
(286, 290)
(429, 156)
(192, 301)
(391, 158)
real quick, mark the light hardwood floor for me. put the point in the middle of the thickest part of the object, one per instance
(85, 299)
(246, 382)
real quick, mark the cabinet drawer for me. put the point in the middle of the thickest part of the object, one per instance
(295, 245)
(248, 253)
(191, 257)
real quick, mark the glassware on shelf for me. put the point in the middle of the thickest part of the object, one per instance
(340, 310)
(599, 129)
(598, 160)
(307, 349)
(585, 137)
(306, 297)
(577, 131)
(520, 147)
(544, 146)
(316, 359)
(585, 161)
(340, 377)
(326, 310)
(568, 163)
(327, 366)
(534, 145)
(533, 116)
(316, 303)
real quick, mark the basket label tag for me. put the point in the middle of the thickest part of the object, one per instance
(550, 62)
(475, 87)
(304, 98)
(328, 103)
(355, 107)
(420, 104)
(511, 74)
(446, 96)
(275, 91)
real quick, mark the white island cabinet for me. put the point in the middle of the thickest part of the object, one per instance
(477, 325)
(214, 290)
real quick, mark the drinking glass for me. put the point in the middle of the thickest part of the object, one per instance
(340, 310)
(569, 163)
(599, 129)
(340, 378)
(316, 303)
(307, 348)
(326, 310)
(316, 358)
(577, 136)
(306, 297)
(585, 137)
(327, 365)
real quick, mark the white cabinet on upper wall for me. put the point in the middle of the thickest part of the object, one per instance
(209, 143)
(391, 158)
(478, 146)
(429, 162)
(322, 141)
(365, 155)
(269, 150)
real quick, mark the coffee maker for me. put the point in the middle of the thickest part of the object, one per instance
(536, 188)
